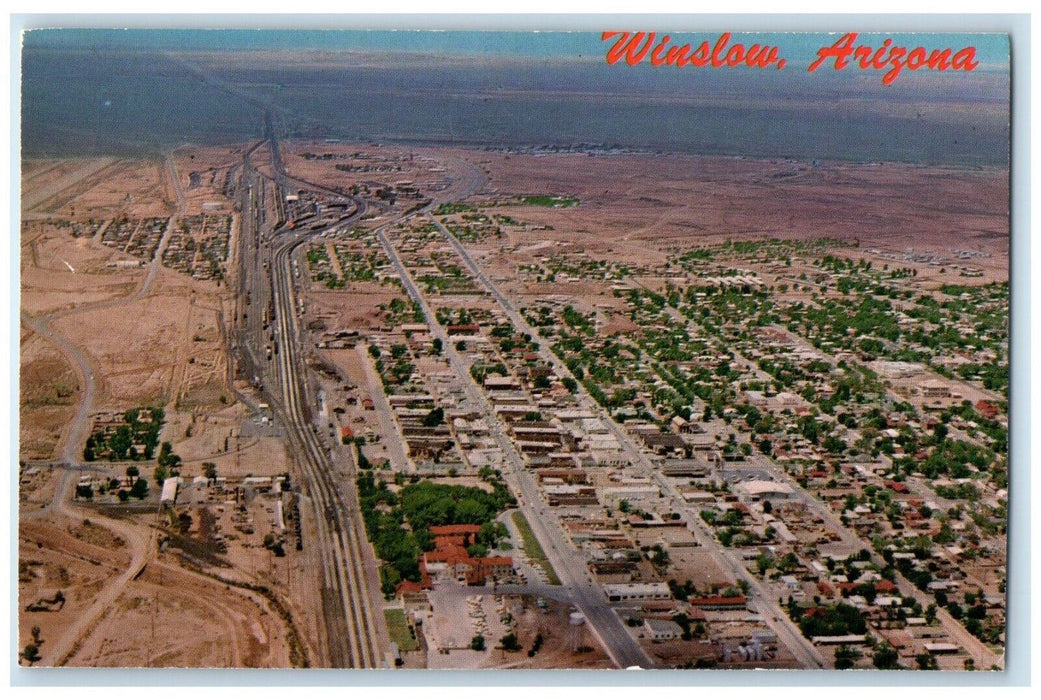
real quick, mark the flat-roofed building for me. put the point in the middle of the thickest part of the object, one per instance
(617, 592)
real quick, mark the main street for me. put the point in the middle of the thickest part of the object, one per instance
(569, 565)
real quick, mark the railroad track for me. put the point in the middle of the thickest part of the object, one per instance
(352, 630)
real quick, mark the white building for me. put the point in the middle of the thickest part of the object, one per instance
(637, 591)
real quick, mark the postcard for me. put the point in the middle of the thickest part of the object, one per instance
(484, 349)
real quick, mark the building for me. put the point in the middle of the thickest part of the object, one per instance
(169, 493)
(762, 490)
(737, 602)
(935, 390)
(617, 592)
(662, 630)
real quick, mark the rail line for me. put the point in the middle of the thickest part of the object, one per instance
(351, 628)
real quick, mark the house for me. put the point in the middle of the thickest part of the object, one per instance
(662, 630)
(935, 390)
(987, 409)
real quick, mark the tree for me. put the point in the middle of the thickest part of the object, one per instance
(437, 345)
(209, 470)
(885, 657)
(435, 418)
(140, 489)
(133, 473)
(930, 613)
(509, 642)
(31, 653)
(846, 657)
(926, 662)
(477, 643)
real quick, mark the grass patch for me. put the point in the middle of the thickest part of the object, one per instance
(398, 628)
(545, 200)
(533, 549)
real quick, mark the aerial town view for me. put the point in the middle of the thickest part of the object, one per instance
(374, 350)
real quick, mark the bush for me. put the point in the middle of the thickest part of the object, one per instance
(509, 642)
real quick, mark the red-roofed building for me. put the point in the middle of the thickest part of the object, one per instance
(897, 486)
(439, 530)
(987, 409)
(451, 561)
(454, 535)
(885, 586)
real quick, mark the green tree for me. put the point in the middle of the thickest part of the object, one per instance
(31, 654)
(140, 489)
(885, 657)
(926, 662)
(846, 657)
(435, 418)
(477, 643)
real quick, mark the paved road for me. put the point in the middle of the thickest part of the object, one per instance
(569, 565)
